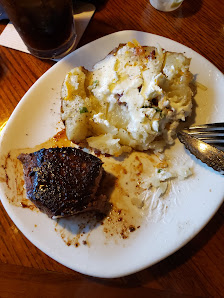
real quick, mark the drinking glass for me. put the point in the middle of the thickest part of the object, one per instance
(46, 26)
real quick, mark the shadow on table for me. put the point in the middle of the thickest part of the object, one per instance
(99, 4)
(170, 263)
(187, 9)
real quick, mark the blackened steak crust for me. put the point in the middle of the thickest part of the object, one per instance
(63, 181)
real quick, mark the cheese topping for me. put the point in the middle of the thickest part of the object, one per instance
(134, 99)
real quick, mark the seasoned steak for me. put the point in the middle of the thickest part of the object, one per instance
(63, 181)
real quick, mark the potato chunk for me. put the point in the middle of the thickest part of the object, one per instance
(133, 98)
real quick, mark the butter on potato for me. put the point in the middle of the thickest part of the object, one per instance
(133, 99)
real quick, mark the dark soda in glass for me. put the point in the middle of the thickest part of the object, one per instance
(46, 26)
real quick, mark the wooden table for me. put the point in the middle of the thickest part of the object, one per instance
(196, 269)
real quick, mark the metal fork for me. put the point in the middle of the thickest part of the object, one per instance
(206, 142)
(212, 133)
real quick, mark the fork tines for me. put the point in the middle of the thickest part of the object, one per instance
(210, 133)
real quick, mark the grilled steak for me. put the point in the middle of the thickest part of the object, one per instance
(63, 181)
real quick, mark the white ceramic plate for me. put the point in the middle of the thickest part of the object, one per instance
(37, 118)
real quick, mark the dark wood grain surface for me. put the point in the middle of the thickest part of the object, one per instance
(196, 269)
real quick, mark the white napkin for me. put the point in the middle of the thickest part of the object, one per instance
(82, 15)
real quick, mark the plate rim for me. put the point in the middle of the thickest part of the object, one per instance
(23, 101)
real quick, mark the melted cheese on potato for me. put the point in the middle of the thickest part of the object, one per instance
(132, 99)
